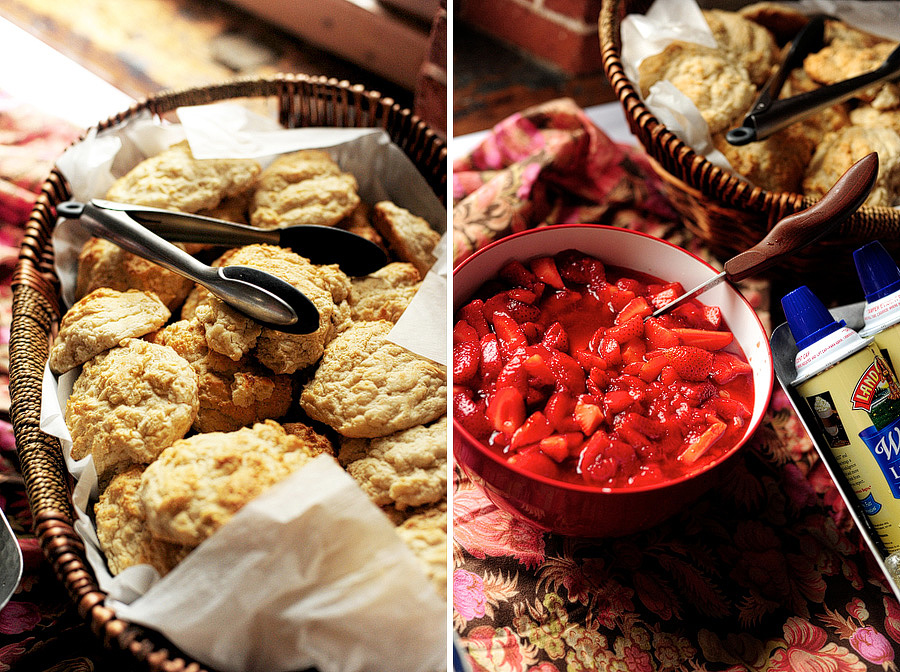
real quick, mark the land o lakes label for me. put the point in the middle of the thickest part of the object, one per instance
(857, 405)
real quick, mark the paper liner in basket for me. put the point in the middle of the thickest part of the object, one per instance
(311, 573)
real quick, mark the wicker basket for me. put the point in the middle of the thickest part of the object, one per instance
(726, 212)
(301, 101)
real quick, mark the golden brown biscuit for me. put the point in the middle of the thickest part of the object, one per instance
(407, 469)
(745, 41)
(782, 21)
(129, 403)
(776, 163)
(384, 294)
(326, 286)
(866, 115)
(104, 264)
(842, 149)
(843, 59)
(360, 223)
(317, 443)
(425, 533)
(101, 320)
(175, 180)
(410, 237)
(367, 386)
(304, 187)
(232, 394)
(199, 483)
(720, 88)
(122, 532)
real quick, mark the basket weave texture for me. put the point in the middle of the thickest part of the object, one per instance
(728, 213)
(301, 101)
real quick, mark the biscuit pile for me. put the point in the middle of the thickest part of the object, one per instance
(810, 155)
(190, 409)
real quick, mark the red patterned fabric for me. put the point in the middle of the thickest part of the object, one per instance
(766, 572)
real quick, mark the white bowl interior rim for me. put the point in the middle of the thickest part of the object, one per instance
(641, 252)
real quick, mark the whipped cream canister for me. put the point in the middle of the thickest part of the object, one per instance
(854, 395)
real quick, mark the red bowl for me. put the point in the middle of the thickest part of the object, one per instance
(578, 510)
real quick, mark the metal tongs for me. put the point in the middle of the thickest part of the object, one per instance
(769, 115)
(262, 296)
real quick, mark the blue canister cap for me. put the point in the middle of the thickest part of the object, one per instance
(807, 317)
(877, 270)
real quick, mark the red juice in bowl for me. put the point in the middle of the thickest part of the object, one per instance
(559, 368)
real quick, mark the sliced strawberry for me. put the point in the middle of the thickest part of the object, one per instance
(556, 337)
(589, 360)
(513, 373)
(627, 330)
(561, 300)
(609, 350)
(535, 428)
(651, 368)
(559, 410)
(713, 316)
(632, 285)
(517, 275)
(545, 269)
(658, 336)
(649, 427)
(536, 462)
(511, 336)
(556, 447)
(463, 331)
(726, 367)
(728, 409)
(580, 268)
(466, 361)
(588, 417)
(660, 296)
(522, 295)
(536, 365)
(703, 443)
(616, 401)
(704, 338)
(619, 298)
(471, 414)
(633, 351)
(568, 372)
(506, 410)
(598, 378)
(473, 314)
(491, 362)
(690, 363)
(638, 306)
(532, 331)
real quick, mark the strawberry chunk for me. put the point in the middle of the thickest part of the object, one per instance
(690, 363)
(726, 367)
(466, 361)
(651, 368)
(535, 428)
(473, 314)
(471, 414)
(545, 269)
(556, 447)
(491, 362)
(517, 275)
(658, 336)
(627, 330)
(588, 416)
(536, 462)
(704, 338)
(661, 296)
(509, 332)
(703, 443)
(713, 316)
(463, 331)
(580, 268)
(506, 410)
(556, 337)
(638, 306)
(568, 372)
(559, 409)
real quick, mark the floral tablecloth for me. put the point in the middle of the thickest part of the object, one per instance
(766, 572)
(40, 630)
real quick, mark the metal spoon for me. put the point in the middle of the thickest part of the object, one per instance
(320, 244)
(11, 562)
(267, 299)
(797, 230)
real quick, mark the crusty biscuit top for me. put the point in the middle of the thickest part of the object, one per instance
(101, 320)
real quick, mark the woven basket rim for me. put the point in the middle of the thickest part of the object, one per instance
(36, 312)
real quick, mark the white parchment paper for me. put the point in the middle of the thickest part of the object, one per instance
(311, 573)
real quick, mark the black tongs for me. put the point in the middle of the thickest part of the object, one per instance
(262, 296)
(769, 115)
